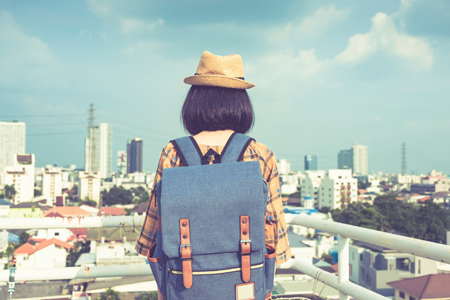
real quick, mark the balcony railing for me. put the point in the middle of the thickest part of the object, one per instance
(347, 289)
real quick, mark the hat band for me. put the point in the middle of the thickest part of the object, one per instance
(242, 78)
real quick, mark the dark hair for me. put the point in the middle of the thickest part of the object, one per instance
(209, 108)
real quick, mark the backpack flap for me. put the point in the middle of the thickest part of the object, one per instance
(213, 198)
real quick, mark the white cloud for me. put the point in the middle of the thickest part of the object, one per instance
(322, 19)
(384, 37)
(85, 33)
(18, 47)
(99, 7)
(133, 26)
(319, 22)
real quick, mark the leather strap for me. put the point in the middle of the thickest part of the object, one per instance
(186, 252)
(158, 224)
(245, 248)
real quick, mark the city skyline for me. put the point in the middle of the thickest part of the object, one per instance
(327, 75)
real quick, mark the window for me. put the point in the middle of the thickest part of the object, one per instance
(402, 295)
(411, 298)
(56, 233)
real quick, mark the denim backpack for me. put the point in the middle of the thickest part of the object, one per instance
(211, 237)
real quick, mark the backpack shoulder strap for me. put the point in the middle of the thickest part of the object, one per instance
(188, 150)
(235, 148)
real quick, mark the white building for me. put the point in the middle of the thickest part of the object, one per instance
(12, 141)
(21, 175)
(89, 186)
(338, 189)
(291, 182)
(284, 166)
(311, 184)
(46, 255)
(51, 182)
(360, 160)
(98, 151)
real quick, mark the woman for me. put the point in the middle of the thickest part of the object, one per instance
(217, 105)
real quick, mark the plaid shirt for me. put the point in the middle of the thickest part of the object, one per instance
(276, 234)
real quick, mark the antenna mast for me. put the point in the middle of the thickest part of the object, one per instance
(403, 158)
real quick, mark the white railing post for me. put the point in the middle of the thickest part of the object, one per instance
(343, 264)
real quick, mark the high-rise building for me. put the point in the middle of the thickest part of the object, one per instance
(12, 141)
(345, 159)
(360, 160)
(98, 151)
(355, 159)
(310, 162)
(134, 156)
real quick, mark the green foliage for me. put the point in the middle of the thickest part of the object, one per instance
(361, 214)
(9, 191)
(109, 294)
(88, 201)
(24, 237)
(117, 195)
(140, 195)
(428, 222)
(149, 296)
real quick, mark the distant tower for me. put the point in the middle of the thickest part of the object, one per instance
(134, 156)
(345, 159)
(90, 153)
(403, 158)
(98, 150)
(310, 162)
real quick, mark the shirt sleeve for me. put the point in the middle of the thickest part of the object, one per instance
(276, 233)
(147, 238)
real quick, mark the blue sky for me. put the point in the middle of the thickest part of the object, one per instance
(328, 74)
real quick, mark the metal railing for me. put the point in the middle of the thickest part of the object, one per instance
(341, 282)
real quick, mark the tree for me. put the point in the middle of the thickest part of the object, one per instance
(117, 195)
(109, 294)
(88, 201)
(24, 236)
(149, 296)
(432, 222)
(10, 191)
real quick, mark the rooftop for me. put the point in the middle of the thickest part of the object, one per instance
(434, 286)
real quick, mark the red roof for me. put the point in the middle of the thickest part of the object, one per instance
(425, 287)
(79, 231)
(55, 242)
(29, 249)
(66, 211)
(112, 211)
(26, 248)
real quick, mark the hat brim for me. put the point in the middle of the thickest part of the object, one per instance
(219, 81)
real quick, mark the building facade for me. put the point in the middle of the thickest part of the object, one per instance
(12, 141)
(311, 185)
(21, 176)
(338, 189)
(355, 159)
(52, 182)
(310, 162)
(89, 186)
(98, 150)
(134, 156)
(360, 159)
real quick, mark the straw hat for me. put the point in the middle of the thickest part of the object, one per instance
(222, 71)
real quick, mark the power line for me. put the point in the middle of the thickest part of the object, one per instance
(54, 133)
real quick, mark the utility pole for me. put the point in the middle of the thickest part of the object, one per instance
(403, 158)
